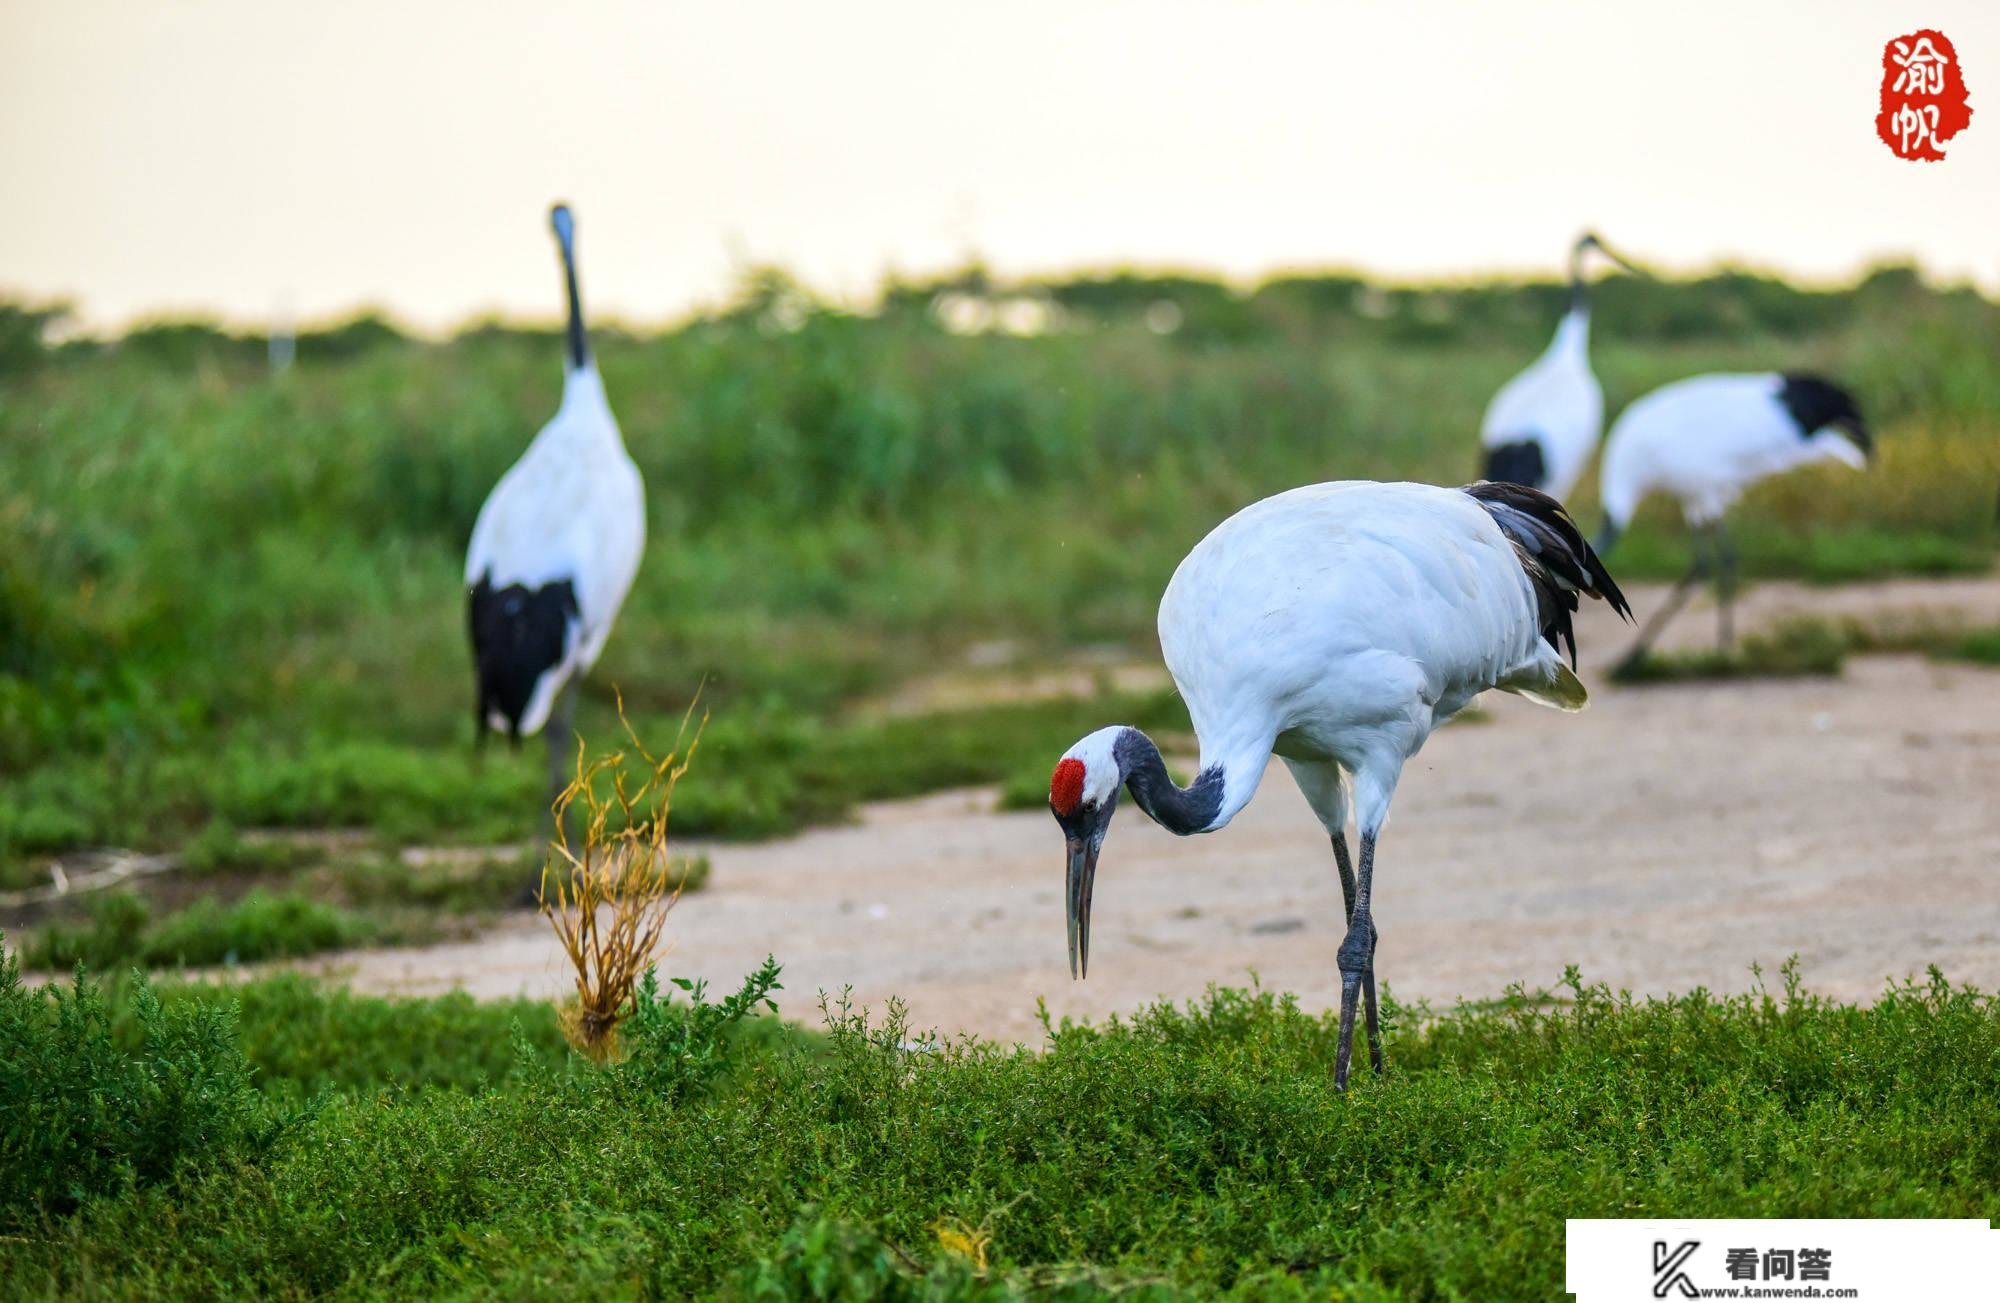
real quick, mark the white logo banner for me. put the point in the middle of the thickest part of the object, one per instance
(1613, 1260)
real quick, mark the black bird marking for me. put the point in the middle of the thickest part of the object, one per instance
(1519, 462)
(1551, 549)
(1179, 811)
(1816, 404)
(518, 635)
(577, 339)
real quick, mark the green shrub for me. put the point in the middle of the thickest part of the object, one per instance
(1188, 1150)
(82, 1117)
(672, 1050)
(822, 1257)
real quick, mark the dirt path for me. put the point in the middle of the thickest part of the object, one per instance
(1666, 838)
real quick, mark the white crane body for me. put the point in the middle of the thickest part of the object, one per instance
(1343, 622)
(554, 550)
(1544, 423)
(1706, 439)
(571, 510)
(1542, 426)
(1335, 626)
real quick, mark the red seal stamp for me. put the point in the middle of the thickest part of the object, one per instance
(1923, 96)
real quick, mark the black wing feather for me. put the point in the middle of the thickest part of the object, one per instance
(1559, 563)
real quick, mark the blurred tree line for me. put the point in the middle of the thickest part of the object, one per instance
(34, 334)
(1298, 306)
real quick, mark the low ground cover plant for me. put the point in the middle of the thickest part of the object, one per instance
(1186, 1150)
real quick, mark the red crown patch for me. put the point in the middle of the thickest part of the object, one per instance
(1066, 785)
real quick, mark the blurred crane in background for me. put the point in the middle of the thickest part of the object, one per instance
(1542, 426)
(554, 552)
(1703, 441)
(1336, 626)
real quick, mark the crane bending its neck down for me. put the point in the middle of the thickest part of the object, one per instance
(1334, 627)
(1083, 793)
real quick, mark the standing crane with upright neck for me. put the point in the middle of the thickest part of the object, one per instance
(554, 552)
(1335, 626)
(1542, 426)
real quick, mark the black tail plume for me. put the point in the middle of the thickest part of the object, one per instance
(518, 635)
(1553, 552)
(1519, 462)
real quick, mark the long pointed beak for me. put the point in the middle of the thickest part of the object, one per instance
(1082, 877)
(1624, 262)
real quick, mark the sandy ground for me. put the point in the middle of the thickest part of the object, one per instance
(1666, 838)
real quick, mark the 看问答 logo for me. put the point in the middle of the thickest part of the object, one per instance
(1668, 1275)
(1924, 101)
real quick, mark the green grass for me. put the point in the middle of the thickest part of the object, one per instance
(764, 778)
(119, 928)
(1817, 555)
(221, 847)
(1196, 1150)
(233, 601)
(760, 773)
(371, 900)
(1813, 645)
(1981, 646)
(1807, 646)
(302, 1038)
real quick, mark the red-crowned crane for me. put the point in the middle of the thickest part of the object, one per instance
(1335, 626)
(554, 552)
(1703, 441)
(1542, 426)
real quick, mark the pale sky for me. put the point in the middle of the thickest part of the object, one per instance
(236, 156)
